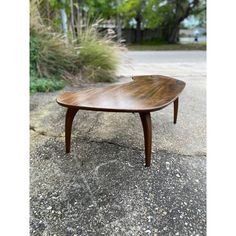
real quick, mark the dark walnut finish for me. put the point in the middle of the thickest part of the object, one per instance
(142, 95)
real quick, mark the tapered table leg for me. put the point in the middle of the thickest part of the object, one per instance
(70, 114)
(176, 105)
(147, 130)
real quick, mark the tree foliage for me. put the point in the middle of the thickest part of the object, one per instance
(163, 15)
(169, 14)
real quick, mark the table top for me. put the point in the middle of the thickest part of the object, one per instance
(143, 94)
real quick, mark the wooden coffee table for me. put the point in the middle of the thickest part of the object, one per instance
(143, 95)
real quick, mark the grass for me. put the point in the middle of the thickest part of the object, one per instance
(166, 47)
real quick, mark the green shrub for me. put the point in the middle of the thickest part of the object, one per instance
(45, 85)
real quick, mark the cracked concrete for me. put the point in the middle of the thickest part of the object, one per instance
(102, 187)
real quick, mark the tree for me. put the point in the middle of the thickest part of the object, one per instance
(165, 16)
(121, 11)
(168, 15)
(133, 9)
(64, 19)
(105, 9)
(200, 14)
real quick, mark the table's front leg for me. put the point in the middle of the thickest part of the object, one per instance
(147, 130)
(70, 114)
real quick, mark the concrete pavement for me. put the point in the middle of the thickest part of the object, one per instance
(102, 187)
(167, 62)
(189, 136)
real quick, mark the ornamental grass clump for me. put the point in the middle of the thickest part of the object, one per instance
(50, 57)
(98, 56)
(55, 59)
(90, 58)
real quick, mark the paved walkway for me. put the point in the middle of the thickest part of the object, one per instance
(102, 187)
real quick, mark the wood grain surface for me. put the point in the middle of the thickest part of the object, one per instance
(143, 94)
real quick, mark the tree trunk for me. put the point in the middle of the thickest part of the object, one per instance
(182, 11)
(118, 22)
(48, 11)
(138, 36)
(64, 21)
(173, 34)
(119, 28)
(77, 18)
(72, 18)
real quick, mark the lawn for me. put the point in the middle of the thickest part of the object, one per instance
(162, 47)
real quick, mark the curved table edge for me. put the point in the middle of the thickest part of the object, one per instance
(150, 109)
